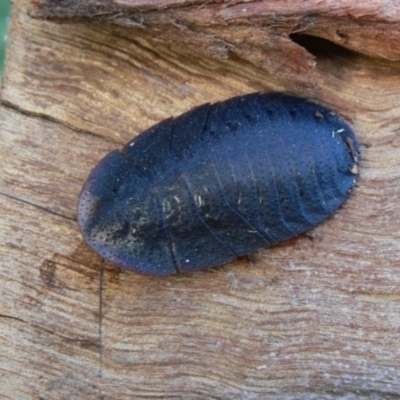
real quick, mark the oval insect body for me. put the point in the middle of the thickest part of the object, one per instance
(218, 182)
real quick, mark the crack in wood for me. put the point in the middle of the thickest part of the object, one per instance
(14, 107)
(37, 206)
(12, 317)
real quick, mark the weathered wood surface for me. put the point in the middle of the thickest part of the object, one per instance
(263, 32)
(308, 319)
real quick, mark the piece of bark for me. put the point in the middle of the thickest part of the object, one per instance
(313, 318)
(272, 35)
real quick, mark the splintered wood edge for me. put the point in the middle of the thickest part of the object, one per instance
(261, 33)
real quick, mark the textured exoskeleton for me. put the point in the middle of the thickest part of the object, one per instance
(218, 182)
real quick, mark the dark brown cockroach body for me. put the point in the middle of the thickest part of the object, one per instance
(218, 182)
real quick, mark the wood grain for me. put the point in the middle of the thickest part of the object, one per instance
(264, 32)
(318, 317)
